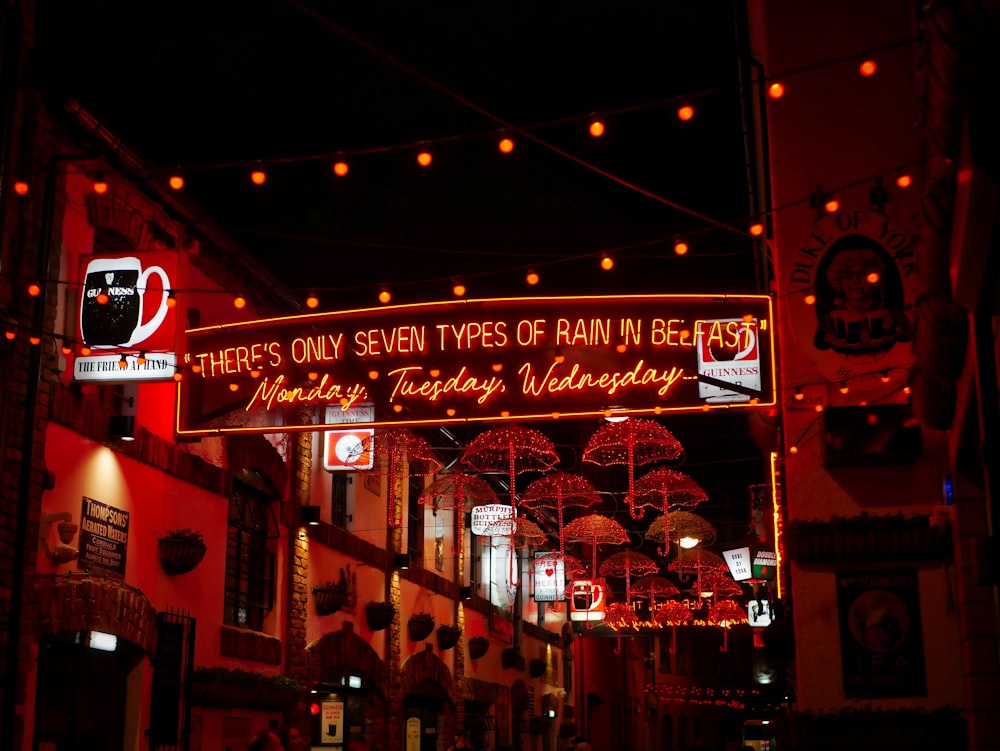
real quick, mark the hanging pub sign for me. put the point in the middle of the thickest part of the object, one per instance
(549, 578)
(125, 311)
(481, 360)
(491, 519)
(587, 601)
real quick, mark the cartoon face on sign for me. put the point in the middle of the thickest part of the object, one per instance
(112, 304)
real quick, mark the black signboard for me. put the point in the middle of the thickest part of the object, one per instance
(881, 641)
(103, 538)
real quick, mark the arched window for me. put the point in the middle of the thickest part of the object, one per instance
(249, 561)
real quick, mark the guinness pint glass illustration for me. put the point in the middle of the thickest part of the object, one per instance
(119, 321)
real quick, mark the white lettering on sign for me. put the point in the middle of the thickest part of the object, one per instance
(488, 516)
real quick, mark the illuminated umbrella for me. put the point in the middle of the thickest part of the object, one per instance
(571, 564)
(632, 442)
(695, 562)
(716, 584)
(458, 490)
(522, 533)
(651, 587)
(725, 614)
(511, 449)
(620, 615)
(668, 489)
(626, 563)
(391, 449)
(673, 614)
(681, 527)
(560, 491)
(596, 530)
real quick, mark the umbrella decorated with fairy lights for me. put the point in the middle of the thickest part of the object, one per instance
(633, 442)
(558, 491)
(620, 615)
(695, 562)
(521, 532)
(682, 527)
(715, 584)
(652, 587)
(392, 450)
(668, 489)
(725, 614)
(672, 614)
(511, 449)
(627, 563)
(595, 530)
(459, 491)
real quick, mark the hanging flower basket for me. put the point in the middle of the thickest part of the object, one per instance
(536, 668)
(448, 636)
(478, 647)
(329, 599)
(379, 615)
(511, 658)
(180, 551)
(420, 626)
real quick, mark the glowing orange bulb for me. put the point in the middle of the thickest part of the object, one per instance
(831, 205)
(556, 415)
(868, 68)
(123, 363)
(560, 357)
(397, 407)
(100, 187)
(450, 411)
(259, 177)
(171, 300)
(597, 129)
(757, 229)
(313, 375)
(340, 169)
(10, 335)
(680, 247)
(872, 277)
(178, 376)
(884, 377)
(424, 159)
(686, 112)
(458, 290)
(844, 387)
(904, 181)
(620, 347)
(819, 407)
(85, 350)
(34, 290)
(312, 301)
(506, 145)
(776, 90)
(196, 368)
(906, 389)
(234, 387)
(384, 296)
(102, 299)
(799, 396)
(531, 278)
(239, 302)
(373, 374)
(21, 187)
(176, 182)
(793, 449)
(435, 372)
(67, 350)
(504, 413)
(255, 372)
(810, 299)
(36, 340)
(607, 263)
(497, 367)
(705, 407)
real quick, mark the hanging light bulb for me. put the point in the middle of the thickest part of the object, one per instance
(141, 359)
(457, 288)
(424, 159)
(680, 247)
(66, 348)
(102, 298)
(10, 334)
(904, 181)
(21, 187)
(100, 184)
(868, 68)
(35, 340)
(176, 182)
(340, 169)
(234, 386)
(799, 396)
(123, 362)
(258, 177)
(384, 296)
(506, 145)
(373, 374)
(532, 277)
(776, 90)
(171, 299)
(607, 262)
(832, 205)
(596, 128)
(178, 375)
(756, 229)
(239, 302)
(809, 299)
(685, 113)
(559, 356)
(34, 290)
(312, 301)
(497, 366)
(844, 388)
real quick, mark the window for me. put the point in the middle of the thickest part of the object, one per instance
(249, 563)
(338, 499)
(415, 520)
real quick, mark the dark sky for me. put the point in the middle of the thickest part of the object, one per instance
(216, 86)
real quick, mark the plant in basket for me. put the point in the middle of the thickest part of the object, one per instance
(181, 550)
(420, 626)
(379, 615)
(448, 636)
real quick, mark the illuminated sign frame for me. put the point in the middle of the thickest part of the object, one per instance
(481, 360)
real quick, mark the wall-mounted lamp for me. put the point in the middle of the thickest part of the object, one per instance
(121, 428)
(61, 552)
(465, 593)
(310, 515)
(401, 560)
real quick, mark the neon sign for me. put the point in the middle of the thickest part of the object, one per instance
(480, 360)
